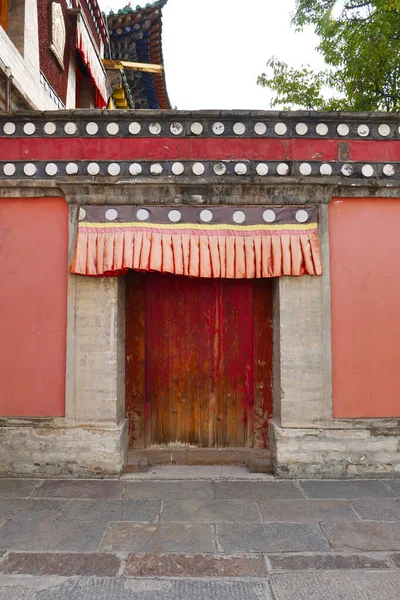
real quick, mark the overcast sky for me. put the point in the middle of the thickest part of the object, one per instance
(215, 49)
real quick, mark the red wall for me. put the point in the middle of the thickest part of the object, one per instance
(365, 294)
(33, 299)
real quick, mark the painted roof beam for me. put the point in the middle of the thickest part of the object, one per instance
(134, 66)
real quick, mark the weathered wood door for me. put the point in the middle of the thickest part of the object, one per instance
(198, 361)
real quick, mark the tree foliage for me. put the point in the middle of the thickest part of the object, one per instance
(361, 50)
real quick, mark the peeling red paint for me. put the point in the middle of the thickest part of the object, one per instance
(195, 149)
(202, 361)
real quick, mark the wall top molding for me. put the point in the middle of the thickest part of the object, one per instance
(132, 147)
(200, 124)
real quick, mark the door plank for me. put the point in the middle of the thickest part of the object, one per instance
(263, 349)
(135, 358)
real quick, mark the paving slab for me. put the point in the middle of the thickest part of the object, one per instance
(395, 558)
(12, 488)
(378, 509)
(80, 488)
(395, 486)
(256, 490)
(368, 536)
(169, 490)
(186, 472)
(346, 489)
(337, 586)
(194, 565)
(211, 511)
(17, 588)
(325, 562)
(306, 511)
(112, 510)
(63, 564)
(31, 508)
(48, 536)
(166, 537)
(270, 537)
(153, 589)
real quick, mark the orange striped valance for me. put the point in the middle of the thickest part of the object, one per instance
(199, 242)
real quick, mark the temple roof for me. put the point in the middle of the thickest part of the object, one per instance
(136, 36)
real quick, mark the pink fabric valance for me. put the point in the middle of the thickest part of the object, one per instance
(199, 242)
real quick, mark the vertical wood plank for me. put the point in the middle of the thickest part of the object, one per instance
(135, 357)
(263, 350)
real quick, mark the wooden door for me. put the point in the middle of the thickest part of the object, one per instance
(198, 361)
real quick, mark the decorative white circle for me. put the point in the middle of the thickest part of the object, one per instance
(302, 216)
(388, 170)
(82, 214)
(239, 217)
(135, 169)
(219, 169)
(269, 216)
(114, 169)
(384, 130)
(174, 216)
(305, 169)
(176, 128)
(282, 169)
(262, 169)
(239, 128)
(280, 129)
(71, 169)
(260, 128)
(112, 128)
(155, 128)
(218, 128)
(367, 170)
(142, 214)
(198, 168)
(206, 216)
(9, 128)
(9, 169)
(93, 168)
(156, 169)
(240, 169)
(134, 128)
(343, 129)
(177, 168)
(111, 214)
(196, 128)
(301, 128)
(51, 169)
(92, 128)
(321, 129)
(347, 170)
(70, 128)
(363, 130)
(49, 128)
(30, 169)
(29, 128)
(325, 169)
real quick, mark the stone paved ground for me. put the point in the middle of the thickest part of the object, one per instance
(191, 539)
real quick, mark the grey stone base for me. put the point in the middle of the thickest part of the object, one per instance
(56, 447)
(335, 453)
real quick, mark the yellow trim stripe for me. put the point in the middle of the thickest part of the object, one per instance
(295, 226)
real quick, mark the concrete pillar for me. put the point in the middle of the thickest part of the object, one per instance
(99, 350)
(302, 345)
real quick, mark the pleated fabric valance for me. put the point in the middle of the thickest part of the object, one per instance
(196, 241)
